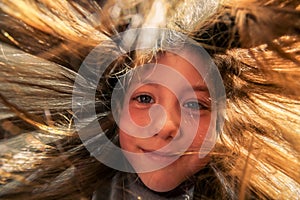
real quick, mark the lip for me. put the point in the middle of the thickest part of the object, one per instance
(160, 156)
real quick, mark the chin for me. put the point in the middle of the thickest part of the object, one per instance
(154, 181)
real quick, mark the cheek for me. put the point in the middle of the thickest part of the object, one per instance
(130, 115)
(125, 140)
(203, 131)
(139, 116)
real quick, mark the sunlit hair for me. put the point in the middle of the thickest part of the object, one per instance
(255, 45)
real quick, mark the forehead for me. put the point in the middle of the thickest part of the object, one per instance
(171, 71)
(172, 68)
(182, 66)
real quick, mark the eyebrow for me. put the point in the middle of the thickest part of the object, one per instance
(200, 88)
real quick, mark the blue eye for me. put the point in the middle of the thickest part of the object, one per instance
(195, 105)
(144, 98)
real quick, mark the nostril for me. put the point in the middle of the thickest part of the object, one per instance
(167, 137)
(170, 137)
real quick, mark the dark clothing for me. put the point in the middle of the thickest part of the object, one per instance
(125, 186)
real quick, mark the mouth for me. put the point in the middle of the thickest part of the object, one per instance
(160, 156)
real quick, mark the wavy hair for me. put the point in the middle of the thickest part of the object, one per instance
(255, 44)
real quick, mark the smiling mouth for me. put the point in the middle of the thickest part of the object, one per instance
(160, 156)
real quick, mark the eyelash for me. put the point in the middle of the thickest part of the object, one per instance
(197, 105)
(139, 99)
(148, 99)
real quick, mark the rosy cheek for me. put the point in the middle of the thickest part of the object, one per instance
(201, 132)
(125, 140)
(140, 116)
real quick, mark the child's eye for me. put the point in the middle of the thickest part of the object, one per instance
(195, 105)
(144, 98)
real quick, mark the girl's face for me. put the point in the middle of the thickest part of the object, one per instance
(167, 112)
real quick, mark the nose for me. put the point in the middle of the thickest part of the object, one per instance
(170, 128)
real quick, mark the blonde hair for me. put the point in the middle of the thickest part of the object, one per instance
(255, 45)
